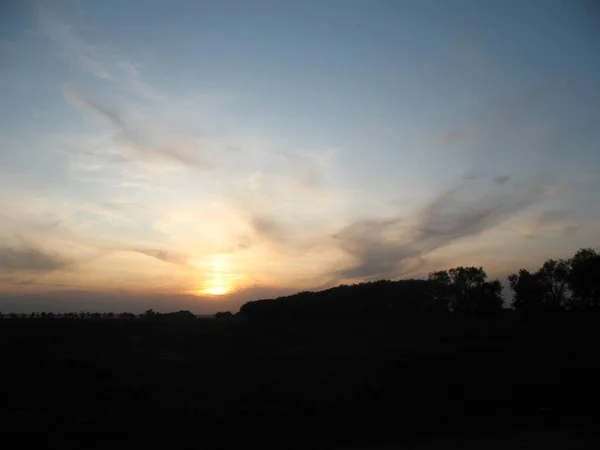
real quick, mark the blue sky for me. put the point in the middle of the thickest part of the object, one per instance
(205, 153)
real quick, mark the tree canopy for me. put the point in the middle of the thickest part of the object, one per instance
(558, 285)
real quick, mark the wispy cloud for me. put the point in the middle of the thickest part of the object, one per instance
(111, 212)
(161, 255)
(501, 179)
(27, 257)
(388, 247)
(269, 228)
(549, 223)
(306, 167)
(287, 235)
(133, 138)
(97, 60)
(457, 136)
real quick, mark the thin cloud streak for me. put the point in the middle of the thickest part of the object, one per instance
(128, 134)
(549, 223)
(99, 61)
(161, 255)
(27, 257)
(446, 219)
(500, 180)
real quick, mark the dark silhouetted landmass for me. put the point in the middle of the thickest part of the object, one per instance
(558, 286)
(396, 363)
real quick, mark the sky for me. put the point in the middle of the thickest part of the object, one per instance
(200, 154)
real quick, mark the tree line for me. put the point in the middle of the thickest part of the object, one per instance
(84, 315)
(557, 286)
(572, 284)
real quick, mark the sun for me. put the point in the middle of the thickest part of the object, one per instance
(218, 275)
(215, 290)
(217, 284)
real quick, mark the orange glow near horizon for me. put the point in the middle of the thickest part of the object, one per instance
(218, 279)
(215, 287)
(215, 291)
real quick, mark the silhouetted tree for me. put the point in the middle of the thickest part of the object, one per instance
(488, 298)
(441, 292)
(584, 280)
(557, 285)
(223, 315)
(126, 316)
(149, 314)
(554, 276)
(528, 292)
(541, 292)
(462, 290)
(178, 316)
(465, 280)
(465, 290)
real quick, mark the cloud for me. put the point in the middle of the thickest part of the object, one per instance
(127, 133)
(392, 247)
(121, 207)
(373, 253)
(501, 179)
(470, 176)
(268, 228)
(89, 58)
(162, 255)
(549, 223)
(28, 258)
(554, 215)
(99, 61)
(288, 236)
(453, 137)
(306, 169)
(587, 177)
(110, 212)
(93, 157)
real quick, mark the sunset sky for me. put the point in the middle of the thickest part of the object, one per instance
(199, 154)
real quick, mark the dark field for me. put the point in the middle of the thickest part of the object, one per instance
(339, 384)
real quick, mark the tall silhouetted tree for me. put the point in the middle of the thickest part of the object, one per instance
(465, 290)
(488, 298)
(584, 279)
(528, 292)
(441, 292)
(554, 276)
(543, 291)
(149, 314)
(465, 281)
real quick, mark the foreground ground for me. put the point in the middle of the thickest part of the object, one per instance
(339, 384)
